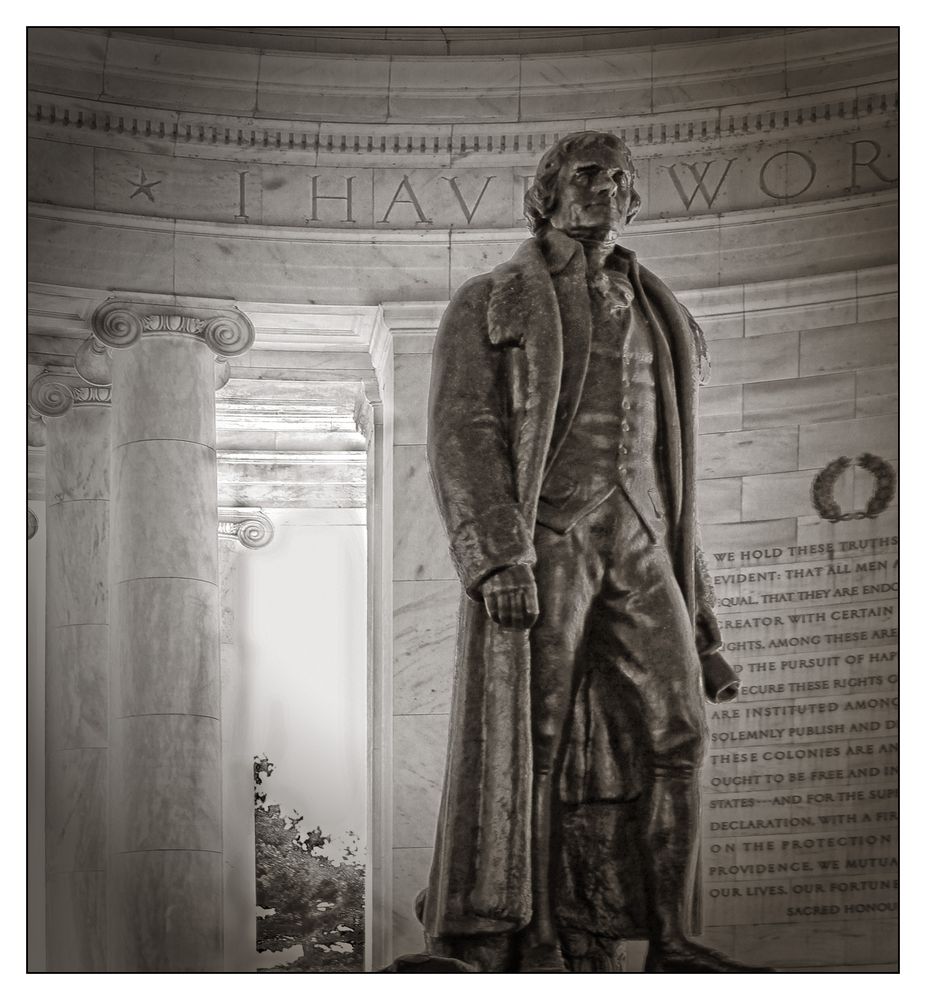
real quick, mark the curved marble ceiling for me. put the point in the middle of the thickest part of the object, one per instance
(436, 41)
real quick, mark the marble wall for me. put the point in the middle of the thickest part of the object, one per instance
(805, 650)
(287, 265)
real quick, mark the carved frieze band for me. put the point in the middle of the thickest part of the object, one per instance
(52, 394)
(250, 527)
(119, 324)
(755, 122)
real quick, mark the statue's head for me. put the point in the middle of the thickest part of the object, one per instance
(584, 185)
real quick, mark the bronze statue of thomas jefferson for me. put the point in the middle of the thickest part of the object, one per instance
(561, 444)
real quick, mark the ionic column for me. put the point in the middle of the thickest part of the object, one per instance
(165, 822)
(240, 530)
(76, 667)
(35, 691)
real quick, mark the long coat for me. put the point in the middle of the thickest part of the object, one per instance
(505, 386)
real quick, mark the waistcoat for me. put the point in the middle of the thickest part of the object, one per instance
(612, 441)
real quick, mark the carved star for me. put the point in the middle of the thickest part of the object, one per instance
(142, 185)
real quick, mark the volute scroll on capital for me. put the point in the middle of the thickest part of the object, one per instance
(52, 394)
(120, 324)
(251, 528)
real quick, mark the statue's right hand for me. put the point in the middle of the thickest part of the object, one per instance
(510, 597)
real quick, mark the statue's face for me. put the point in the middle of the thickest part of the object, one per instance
(594, 194)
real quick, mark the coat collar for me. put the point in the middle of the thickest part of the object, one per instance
(559, 250)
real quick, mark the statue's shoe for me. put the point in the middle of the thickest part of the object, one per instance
(420, 962)
(693, 958)
(541, 957)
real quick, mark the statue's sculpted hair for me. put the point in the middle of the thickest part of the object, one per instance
(541, 197)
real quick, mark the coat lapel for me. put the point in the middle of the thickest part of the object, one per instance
(523, 312)
(540, 302)
(576, 322)
(521, 298)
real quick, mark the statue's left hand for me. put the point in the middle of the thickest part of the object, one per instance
(510, 597)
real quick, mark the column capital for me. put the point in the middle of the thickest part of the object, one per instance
(120, 323)
(252, 528)
(53, 393)
(364, 415)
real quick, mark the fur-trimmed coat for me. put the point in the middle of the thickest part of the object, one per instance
(509, 364)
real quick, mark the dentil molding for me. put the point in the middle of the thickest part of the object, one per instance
(105, 124)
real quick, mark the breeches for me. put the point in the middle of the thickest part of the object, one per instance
(608, 594)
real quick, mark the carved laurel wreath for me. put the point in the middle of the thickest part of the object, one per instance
(821, 490)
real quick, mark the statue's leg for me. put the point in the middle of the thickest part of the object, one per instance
(568, 573)
(477, 952)
(672, 835)
(655, 650)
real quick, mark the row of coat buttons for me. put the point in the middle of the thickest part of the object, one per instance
(628, 358)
